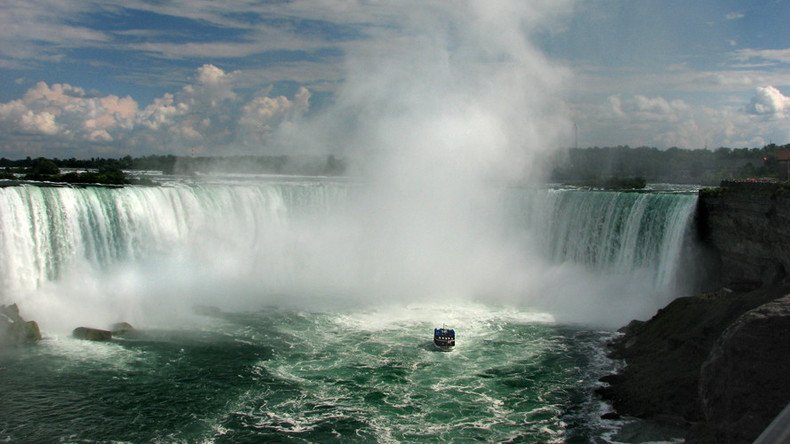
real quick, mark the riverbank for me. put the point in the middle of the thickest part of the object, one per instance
(712, 364)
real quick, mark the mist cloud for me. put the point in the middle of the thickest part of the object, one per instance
(444, 109)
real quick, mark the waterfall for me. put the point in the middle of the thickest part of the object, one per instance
(313, 239)
(46, 231)
(611, 232)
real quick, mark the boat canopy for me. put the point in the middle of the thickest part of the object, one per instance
(444, 332)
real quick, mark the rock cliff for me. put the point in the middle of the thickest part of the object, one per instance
(748, 224)
(709, 361)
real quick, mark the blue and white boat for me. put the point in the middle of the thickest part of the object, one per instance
(444, 337)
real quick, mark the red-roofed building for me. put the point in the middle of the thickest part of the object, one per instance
(783, 156)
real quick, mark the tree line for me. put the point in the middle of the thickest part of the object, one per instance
(112, 171)
(607, 167)
(674, 165)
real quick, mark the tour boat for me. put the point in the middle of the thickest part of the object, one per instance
(444, 337)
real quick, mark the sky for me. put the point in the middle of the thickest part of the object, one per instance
(81, 78)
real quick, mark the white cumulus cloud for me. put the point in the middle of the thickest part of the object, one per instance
(66, 111)
(769, 102)
(657, 121)
(641, 108)
(212, 87)
(205, 114)
(43, 123)
(260, 115)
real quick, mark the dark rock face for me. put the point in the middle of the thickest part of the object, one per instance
(14, 330)
(744, 382)
(664, 354)
(92, 334)
(719, 361)
(747, 224)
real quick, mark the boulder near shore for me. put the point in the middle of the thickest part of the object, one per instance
(14, 330)
(98, 334)
(92, 334)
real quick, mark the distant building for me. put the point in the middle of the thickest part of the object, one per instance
(783, 156)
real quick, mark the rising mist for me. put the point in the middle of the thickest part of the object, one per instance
(438, 115)
(443, 115)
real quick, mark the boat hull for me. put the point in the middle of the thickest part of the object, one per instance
(444, 344)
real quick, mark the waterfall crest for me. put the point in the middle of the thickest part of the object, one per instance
(45, 231)
(307, 238)
(611, 232)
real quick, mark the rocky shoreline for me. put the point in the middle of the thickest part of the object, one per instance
(715, 365)
(16, 331)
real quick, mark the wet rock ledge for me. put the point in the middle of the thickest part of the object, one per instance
(716, 364)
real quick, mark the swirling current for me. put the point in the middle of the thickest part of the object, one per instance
(282, 375)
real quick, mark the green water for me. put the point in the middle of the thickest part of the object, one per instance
(280, 375)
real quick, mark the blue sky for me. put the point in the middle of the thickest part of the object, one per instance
(110, 78)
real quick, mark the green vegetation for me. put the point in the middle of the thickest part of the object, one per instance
(673, 165)
(625, 183)
(307, 165)
(44, 166)
(110, 171)
(711, 192)
(620, 167)
(47, 170)
(105, 175)
(613, 183)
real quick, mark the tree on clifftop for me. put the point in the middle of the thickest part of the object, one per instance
(42, 168)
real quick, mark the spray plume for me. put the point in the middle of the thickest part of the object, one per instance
(441, 110)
